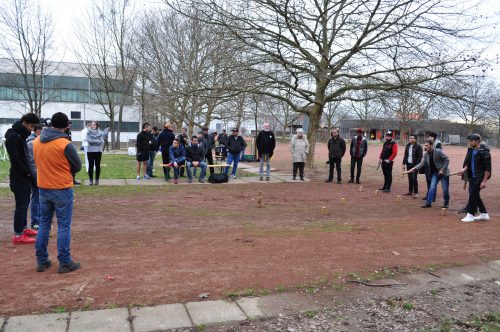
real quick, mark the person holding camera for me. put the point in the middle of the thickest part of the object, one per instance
(57, 161)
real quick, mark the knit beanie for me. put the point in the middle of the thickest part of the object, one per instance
(59, 120)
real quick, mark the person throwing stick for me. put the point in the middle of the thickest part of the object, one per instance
(437, 163)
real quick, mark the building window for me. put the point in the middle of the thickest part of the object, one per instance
(76, 115)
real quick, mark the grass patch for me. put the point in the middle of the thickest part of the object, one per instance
(113, 166)
(201, 327)
(112, 306)
(280, 288)
(310, 313)
(60, 310)
(408, 306)
(308, 230)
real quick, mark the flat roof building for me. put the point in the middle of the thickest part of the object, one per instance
(65, 88)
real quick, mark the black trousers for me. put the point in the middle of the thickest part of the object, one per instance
(298, 166)
(94, 159)
(412, 179)
(356, 163)
(335, 163)
(165, 157)
(475, 200)
(22, 195)
(210, 161)
(387, 170)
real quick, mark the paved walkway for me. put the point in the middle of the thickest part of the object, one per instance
(193, 314)
(159, 181)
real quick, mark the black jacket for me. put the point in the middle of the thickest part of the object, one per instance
(417, 153)
(363, 148)
(195, 153)
(15, 143)
(482, 162)
(336, 147)
(166, 139)
(154, 146)
(222, 139)
(235, 145)
(183, 140)
(142, 144)
(265, 143)
(210, 142)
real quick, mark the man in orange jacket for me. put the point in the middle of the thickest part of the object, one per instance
(57, 161)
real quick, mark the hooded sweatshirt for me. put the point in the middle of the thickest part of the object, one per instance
(29, 142)
(15, 143)
(95, 139)
(56, 160)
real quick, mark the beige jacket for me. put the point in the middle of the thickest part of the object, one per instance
(299, 148)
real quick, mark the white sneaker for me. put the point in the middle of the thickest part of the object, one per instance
(138, 177)
(482, 217)
(468, 218)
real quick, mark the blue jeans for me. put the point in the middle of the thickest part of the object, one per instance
(152, 155)
(445, 183)
(265, 158)
(232, 157)
(59, 201)
(35, 206)
(202, 165)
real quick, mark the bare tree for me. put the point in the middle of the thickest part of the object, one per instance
(104, 51)
(494, 106)
(325, 50)
(334, 113)
(27, 35)
(188, 65)
(471, 102)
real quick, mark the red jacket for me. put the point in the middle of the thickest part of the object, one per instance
(389, 150)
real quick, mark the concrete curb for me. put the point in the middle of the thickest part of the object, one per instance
(192, 314)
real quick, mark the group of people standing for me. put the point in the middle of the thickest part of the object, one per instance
(181, 152)
(43, 164)
(429, 160)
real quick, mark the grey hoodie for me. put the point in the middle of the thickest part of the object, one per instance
(29, 142)
(50, 134)
(95, 138)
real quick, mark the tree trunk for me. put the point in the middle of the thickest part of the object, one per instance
(312, 133)
(120, 120)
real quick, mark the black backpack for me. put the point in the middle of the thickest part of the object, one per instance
(218, 178)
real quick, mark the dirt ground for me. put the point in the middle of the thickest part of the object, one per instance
(169, 244)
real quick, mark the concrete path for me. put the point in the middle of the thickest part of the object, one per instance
(159, 181)
(196, 314)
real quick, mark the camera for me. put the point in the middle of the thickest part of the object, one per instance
(45, 122)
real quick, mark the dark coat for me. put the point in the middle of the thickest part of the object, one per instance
(210, 142)
(417, 153)
(195, 153)
(222, 139)
(265, 143)
(166, 139)
(363, 148)
(336, 147)
(183, 140)
(482, 162)
(142, 144)
(235, 145)
(15, 143)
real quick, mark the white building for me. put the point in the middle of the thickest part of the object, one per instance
(67, 89)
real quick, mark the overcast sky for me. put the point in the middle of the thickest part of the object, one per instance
(66, 12)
